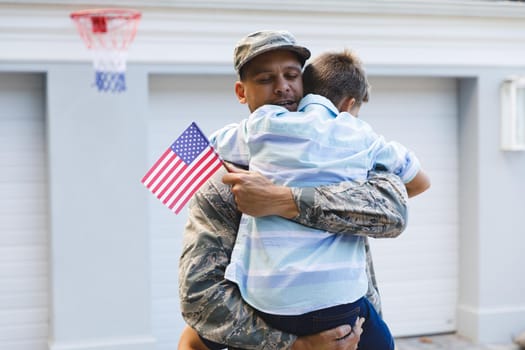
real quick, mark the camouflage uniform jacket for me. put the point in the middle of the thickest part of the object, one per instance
(214, 307)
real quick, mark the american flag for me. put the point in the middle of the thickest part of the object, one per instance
(182, 169)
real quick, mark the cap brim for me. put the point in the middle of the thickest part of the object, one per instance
(301, 51)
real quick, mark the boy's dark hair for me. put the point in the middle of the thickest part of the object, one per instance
(336, 75)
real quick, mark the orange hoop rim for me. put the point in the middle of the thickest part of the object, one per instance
(109, 13)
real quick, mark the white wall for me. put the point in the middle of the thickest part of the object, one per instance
(491, 306)
(99, 244)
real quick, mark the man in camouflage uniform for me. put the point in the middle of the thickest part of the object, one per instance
(212, 305)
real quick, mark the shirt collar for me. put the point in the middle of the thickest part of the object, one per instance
(317, 100)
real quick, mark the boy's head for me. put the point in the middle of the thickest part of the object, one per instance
(340, 77)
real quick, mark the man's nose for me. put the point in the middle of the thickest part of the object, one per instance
(281, 86)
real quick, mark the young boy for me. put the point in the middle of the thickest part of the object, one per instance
(303, 280)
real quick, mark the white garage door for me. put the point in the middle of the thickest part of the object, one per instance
(417, 271)
(23, 214)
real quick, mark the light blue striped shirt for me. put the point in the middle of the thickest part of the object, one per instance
(282, 267)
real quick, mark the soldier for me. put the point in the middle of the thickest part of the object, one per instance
(212, 305)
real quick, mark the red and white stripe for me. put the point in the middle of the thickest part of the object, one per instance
(173, 181)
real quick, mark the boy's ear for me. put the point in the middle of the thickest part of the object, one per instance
(346, 104)
(239, 91)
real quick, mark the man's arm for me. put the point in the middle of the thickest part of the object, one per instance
(375, 208)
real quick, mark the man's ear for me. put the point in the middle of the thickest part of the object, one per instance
(239, 91)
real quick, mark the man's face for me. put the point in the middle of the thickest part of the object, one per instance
(274, 78)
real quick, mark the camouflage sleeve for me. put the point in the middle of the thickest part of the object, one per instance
(374, 208)
(372, 294)
(210, 304)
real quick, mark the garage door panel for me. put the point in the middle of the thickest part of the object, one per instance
(10, 206)
(428, 215)
(411, 244)
(22, 332)
(420, 273)
(29, 252)
(23, 267)
(23, 104)
(427, 97)
(404, 259)
(24, 300)
(14, 130)
(416, 308)
(438, 286)
(23, 173)
(18, 226)
(23, 285)
(16, 318)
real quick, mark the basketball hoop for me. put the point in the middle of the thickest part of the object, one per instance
(107, 33)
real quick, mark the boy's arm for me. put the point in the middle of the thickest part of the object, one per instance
(419, 184)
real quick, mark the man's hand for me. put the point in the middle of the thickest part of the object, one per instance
(340, 338)
(257, 196)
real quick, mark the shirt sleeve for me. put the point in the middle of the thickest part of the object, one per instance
(399, 160)
(230, 142)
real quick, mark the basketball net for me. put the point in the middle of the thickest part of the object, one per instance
(107, 33)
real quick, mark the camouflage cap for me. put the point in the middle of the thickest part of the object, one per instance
(263, 41)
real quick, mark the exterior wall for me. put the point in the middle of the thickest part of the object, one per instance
(408, 32)
(100, 263)
(490, 289)
(99, 246)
